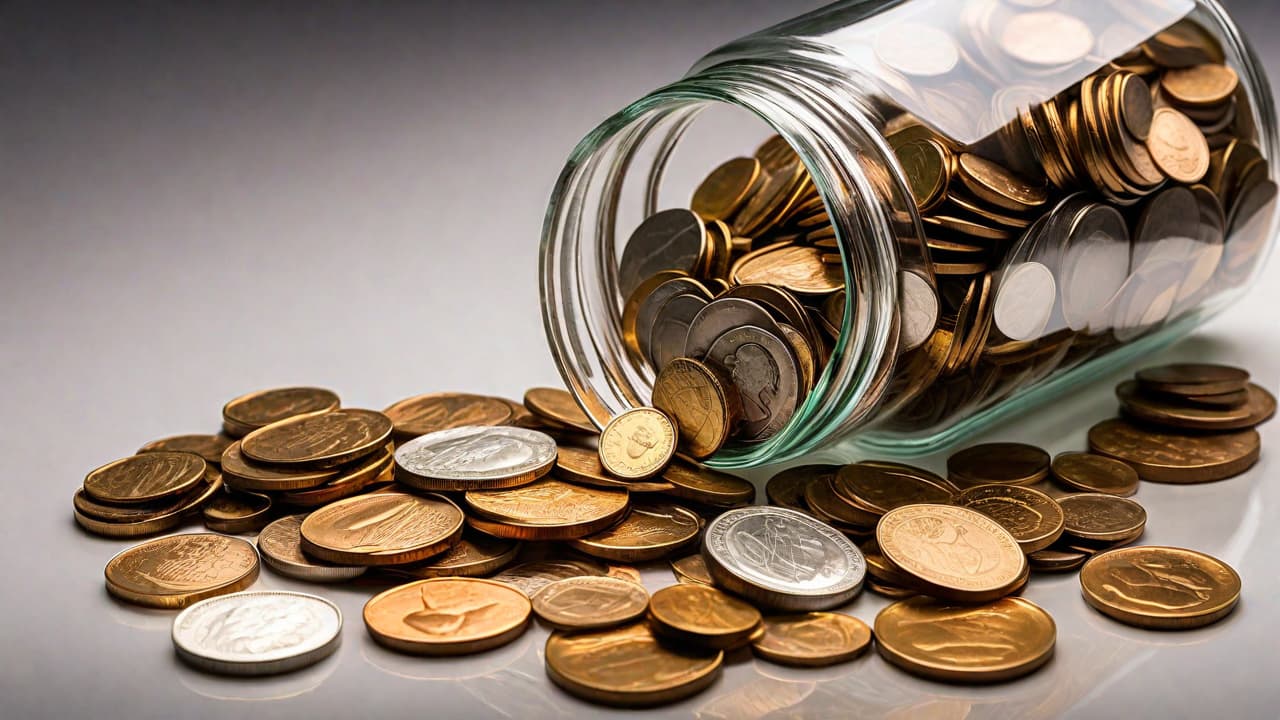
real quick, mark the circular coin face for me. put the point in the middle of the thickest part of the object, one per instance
(1025, 301)
(146, 477)
(558, 406)
(627, 667)
(1096, 516)
(382, 529)
(447, 616)
(257, 633)
(648, 532)
(1005, 463)
(589, 603)
(583, 466)
(209, 447)
(812, 639)
(178, 570)
(280, 545)
(1094, 473)
(766, 374)
(548, 509)
(703, 615)
(1177, 146)
(958, 553)
(672, 239)
(726, 188)
(996, 641)
(638, 444)
(424, 414)
(1034, 519)
(704, 403)
(469, 458)
(249, 412)
(323, 440)
(1162, 456)
(1160, 587)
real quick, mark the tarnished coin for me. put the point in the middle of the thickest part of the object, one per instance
(245, 474)
(691, 569)
(146, 477)
(627, 667)
(1034, 519)
(786, 488)
(766, 374)
(1160, 587)
(590, 603)
(813, 639)
(178, 570)
(428, 413)
(546, 510)
(650, 308)
(782, 559)
(881, 488)
(236, 512)
(956, 553)
(280, 545)
(320, 441)
(382, 529)
(249, 412)
(672, 239)
(638, 443)
(1003, 463)
(447, 616)
(1177, 146)
(703, 401)
(934, 639)
(669, 335)
(706, 486)
(558, 406)
(1169, 457)
(137, 520)
(209, 447)
(474, 555)
(1090, 473)
(1259, 406)
(1095, 516)
(530, 577)
(257, 633)
(651, 530)
(703, 616)
(727, 188)
(469, 458)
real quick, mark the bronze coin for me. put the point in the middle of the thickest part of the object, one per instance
(530, 577)
(710, 487)
(1095, 516)
(921, 540)
(382, 529)
(813, 639)
(1034, 519)
(1177, 146)
(1004, 463)
(1259, 407)
(249, 412)
(352, 478)
(145, 478)
(1056, 559)
(558, 406)
(1160, 587)
(244, 474)
(235, 512)
(1086, 472)
(727, 188)
(428, 413)
(547, 509)
(691, 569)
(703, 616)
(175, 571)
(583, 466)
(320, 441)
(590, 603)
(638, 443)
(1170, 457)
(650, 530)
(474, 555)
(702, 399)
(824, 501)
(447, 616)
(880, 488)
(209, 447)
(137, 520)
(786, 488)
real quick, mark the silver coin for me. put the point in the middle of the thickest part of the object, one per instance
(669, 240)
(919, 310)
(1025, 300)
(280, 545)
(783, 559)
(767, 377)
(671, 327)
(647, 314)
(784, 306)
(719, 317)
(1095, 264)
(257, 633)
(474, 458)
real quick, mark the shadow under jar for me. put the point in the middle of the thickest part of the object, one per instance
(914, 218)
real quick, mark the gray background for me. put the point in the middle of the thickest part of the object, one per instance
(200, 199)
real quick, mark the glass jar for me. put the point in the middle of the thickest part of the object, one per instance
(1016, 195)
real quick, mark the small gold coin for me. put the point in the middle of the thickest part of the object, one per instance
(590, 603)
(474, 555)
(997, 641)
(1057, 559)
(382, 529)
(353, 478)
(813, 639)
(703, 401)
(627, 667)
(209, 447)
(1177, 146)
(1034, 519)
(547, 509)
(727, 188)
(428, 413)
(1162, 588)
(795, 268)
(249, 412)
(710, 487)
(1200, 85)
(691, 569)
(1004, 463)
(319, 441)
(638, 444)
(649, 531)
(1086, 472)
(235, 512)
(703, 616)
(280, 545)
(145, 478)
(1169, 457)
(558, 406)
(245, 474)
(923, 541)
(927, 165)
(1096, 516)
(828, 505)
(175, 571)
(447, 616)
(137, 520)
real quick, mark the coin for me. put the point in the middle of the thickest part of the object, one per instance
(1056, 559)
(916, 49)
(353, 478)
(638, 443)
(691, 569)
(938, 640)
(546, 510)
(652, 308)
(235, 512)
(1095, 516)
(209, 447)
(706, 486)
(258, 409)
(786, 488)
(957, 553)
(702, 400)
(1193, 378)
(1007, 463)
(996, 185)
(1025, 300)
(474, 555)
(530, 577)
(1259, 407)
(131, 521)
(703, 616)
(1177, 146)
(469, 458)
(815, 639)
(782, 559)
(319, 441)
(627, 667)
(1046, 38)
(1199, 85)
(1169, 457)
(447, 616)
(672, 239)
(927, 166)
(1033, 519)
(794, 268)
(583, 466)
(245, 474)
(828, 505)
(881, 488)
(558, 406)
(428, 413)
(720, 316)
(649, 531)
(766, 375)
(178, 570)
(727, 188)
(257, 633)
(1094, 474)
(382, 529)
(919, 309)
(590, 603)
(145, 478)
(280, 545)
(1163, 588)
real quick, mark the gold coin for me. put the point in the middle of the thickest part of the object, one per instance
(649, 531)
(428, 413)
(1034, 519)
(249, 412)
(1177, 146)
(703, 402)
(583, 466)
(1004, 463)
(234, 512)
(474, 555)
(727, 188)
(813, 639)
(1169, 457)
(145, 478)
(881, 570)
(691, 569)
(997, 641)
(353, 478)
(1095, 516)
(927, 166)
(1200, 85)
(702, 615)
(828, 505)
(175, 571)
(1193, 379)
(320, 441)
(700, 484)
(1162, 588)
(244, 474)
(280, 545)
(1094, 473)
(638, 444)
(209, 447)
(627, 667)
(880, 488)
(795, 268)
(447, 616)
(558, 406)
(1056, 559)
(590, 603)
(131, 521)
(1259, 406)
(547, 509)
(994, 184)
(382, 529)
(957, 553)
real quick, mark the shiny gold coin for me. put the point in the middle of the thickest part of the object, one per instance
(881, 488)
(583, 466)
(638, 443)
(145, 478)
(1086, 472)
(1200, 85)
(703, 616)
(590, 603)
(1034, 519)
(627, 667)
(319, 441)
(558, 406)
(447, 616)
(997, 641)
(815, 639)
(382, 529)
(1003, 463)
(1259, 406)
(795, 268)
(727, 188)
(1177, 146)
(428, 413)
(1056, 559)
(280, 546)
(235, 512)
(209, 447)
(175, 571)
(706, 486)
(703, 401)
(786, 488)
(474, 555)
(547, 509)
(249, 412)
(352, 478)
(998, 186)
(924, 541)
(1193, 378)
(1170, 457)
(651, 530)
(1163, 588)
(244, 474)
(137, 520)
(1095, 516)
(927, 165)
(691, 569)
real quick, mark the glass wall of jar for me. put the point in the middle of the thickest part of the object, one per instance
(896, 222)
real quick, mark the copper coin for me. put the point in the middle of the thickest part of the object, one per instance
(923, 540)
(558, 406)
(813, 639)
(825, 502)
(881, 488)
(627, 666)
(1170, 457)
(1177, 146)
(258, 409)
(428, 413)
(1259, 407)
(175, 571)
(137, 520)
(382, 529)
(1086, 472)
(352, 478)
(474, 555)
(1006, 463)
(1095, 516)
(650, 530)
(234, 512)
(1160, 587)
(691, 569)
(727, 188)
(703, 401)
(447, 616)
(280, 545)
(786, 488)
(546, 510)
(209, 447)
(710, 487)
(583, 466)
(590, 603)
(1057, 559)
(703, 616)
(244, 474)
(145, 478)
(1034, 519)
(320, 441)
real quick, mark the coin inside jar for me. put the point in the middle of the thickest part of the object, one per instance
(590, 603)
(702, 400)
(447, 616)
(649, 531)
(638, 443)
(1096, 516)
(1086, 472)
(178, 570)
(1034, 519)
(1160, 587)
(813, 639)
(703, 616)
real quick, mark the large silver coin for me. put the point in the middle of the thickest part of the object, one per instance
(766, 374)
(257, 633)
(719, 317)
(1025, 301)
(671, 327)
(783, 559)
(919, 310)
(647, 314)
(475, 458)
(669, 240)
(1095, 264)
(280, 545)
(784, 306)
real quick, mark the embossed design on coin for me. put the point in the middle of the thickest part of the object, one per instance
(1033, 519)
(1096, 516)
(249, 412)
(440, 411)
(1160, 587)
(588, 603)
(146, 477)
(703, 401)
(1176, 458)
(447, 616)
(648, 532)
(1095, 473)
(382, 529)
(548, 502)
(280, 545)
(638, 444)
(175, 571)
(322, 440)
(703, 616)
(257, 633)
(475, 457)
(1177, 146)
(812, 639)
(959, 552)
(474, 555)
(764, 371)
(244, 474)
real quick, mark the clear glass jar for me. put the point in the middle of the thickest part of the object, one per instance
(859, 90)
